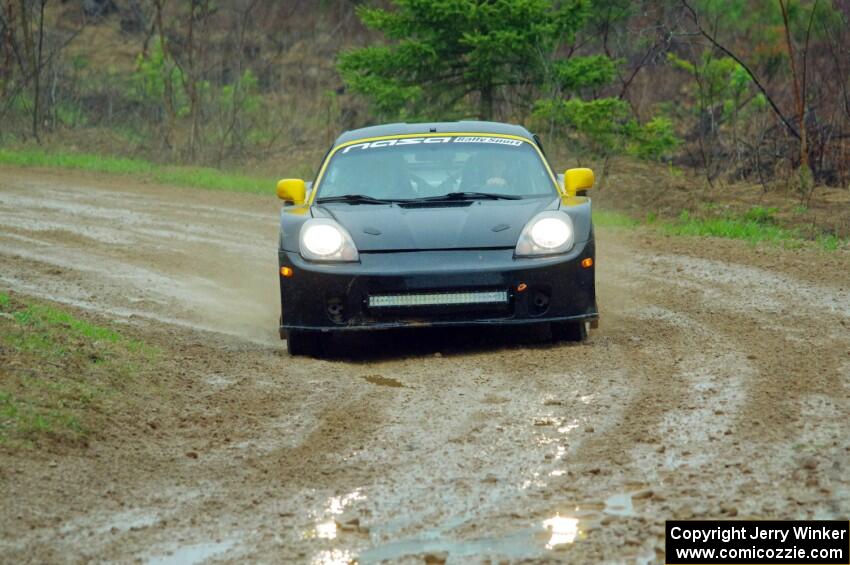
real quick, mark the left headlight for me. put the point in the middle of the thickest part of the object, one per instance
(323, 239)
(548, 233)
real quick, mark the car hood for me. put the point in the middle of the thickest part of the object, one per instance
(479, 224)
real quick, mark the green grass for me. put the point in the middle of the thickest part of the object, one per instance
(57, 371)
(757, 225)
(195, 177)
(751, 227)
(608, 219)
(831, 242)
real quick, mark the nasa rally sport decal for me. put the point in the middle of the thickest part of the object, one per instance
(433, 140)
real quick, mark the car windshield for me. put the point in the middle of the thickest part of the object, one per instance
(430, 167)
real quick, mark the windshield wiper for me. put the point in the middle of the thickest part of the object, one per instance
(469, 196)
(355, 199)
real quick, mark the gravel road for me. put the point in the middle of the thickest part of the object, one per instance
(717, 386)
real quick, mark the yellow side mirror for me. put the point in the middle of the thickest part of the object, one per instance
(292, 190)
(576, 180)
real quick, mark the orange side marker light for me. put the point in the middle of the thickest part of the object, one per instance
(286, 271)
(587, 263)
(521, 287)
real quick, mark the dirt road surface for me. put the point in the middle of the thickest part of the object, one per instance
(717, 386)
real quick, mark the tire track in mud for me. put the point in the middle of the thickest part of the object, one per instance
(654, 339)
(787, 371)
(343, 427)
(723, 393)
(159, 254)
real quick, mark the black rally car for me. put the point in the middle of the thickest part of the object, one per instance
(437, 224)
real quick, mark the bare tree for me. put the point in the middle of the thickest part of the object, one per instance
(168, 82)
(23, 33)
(199, 13)
(798, 79)
(711, 37)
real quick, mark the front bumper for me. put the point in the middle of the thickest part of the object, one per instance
(335, 297)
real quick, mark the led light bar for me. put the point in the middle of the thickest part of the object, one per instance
(438, 299)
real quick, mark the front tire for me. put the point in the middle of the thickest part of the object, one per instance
(569, 331)
(304, 343)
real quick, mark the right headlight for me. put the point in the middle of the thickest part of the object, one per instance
(325, 240)
(548, 233)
